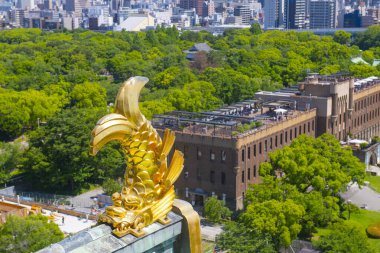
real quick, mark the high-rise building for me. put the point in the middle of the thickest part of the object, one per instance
(208, 8)
(48, 4)
(17, 17)
(25, 4)
(190, 4)
(272, 13)
(244, 12)
(322, 14)
(294, 14)
(76, 6)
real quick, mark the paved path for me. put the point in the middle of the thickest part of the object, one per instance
(71, 224)
(84, 202)
(364, 196)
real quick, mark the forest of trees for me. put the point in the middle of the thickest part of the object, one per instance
(65, 81)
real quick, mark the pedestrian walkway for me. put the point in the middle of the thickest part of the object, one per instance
(364, 197)
(69, 224)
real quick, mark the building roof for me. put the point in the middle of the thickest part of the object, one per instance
(201, 47)
(100, 239)
(357, 60)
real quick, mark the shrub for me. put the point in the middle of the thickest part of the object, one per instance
(373, 230)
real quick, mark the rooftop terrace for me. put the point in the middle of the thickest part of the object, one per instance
(229, 121)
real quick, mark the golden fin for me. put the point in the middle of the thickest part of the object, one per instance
(175, 168)
(127, 100)
(167, 143)
(110, 127)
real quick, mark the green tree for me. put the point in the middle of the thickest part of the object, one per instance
(215, 210)
(10, 155)
(236, 238)
(110, 186)
(58, 159)
(28, 234)
(278, 219)
(196, 96)
(342, 37)
(344, 237)
(255, 29)
(319, 164)
(88, 95)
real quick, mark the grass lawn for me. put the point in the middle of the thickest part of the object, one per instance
(374, 182)
(363, 218)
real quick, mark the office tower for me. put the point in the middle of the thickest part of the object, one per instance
(190, 4)
(322, 14)
(244, 12)
(208, 8)
(294, 14)
(76, 6)
(272, 13)
(17, 17)
(25, 4)
(48, 4)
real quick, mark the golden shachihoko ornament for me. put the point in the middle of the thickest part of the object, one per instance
(148, 192)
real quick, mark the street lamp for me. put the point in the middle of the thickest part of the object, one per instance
(349, 208)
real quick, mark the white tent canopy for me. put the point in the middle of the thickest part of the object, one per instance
(280, 111)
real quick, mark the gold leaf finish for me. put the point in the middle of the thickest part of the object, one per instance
(148, 192)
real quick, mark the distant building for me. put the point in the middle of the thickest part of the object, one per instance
(322, 14)
(352, 19)
(294, 14)
(244, 12)
(200, 47)
(190, 4)
(223, 160)
(135, 23)
(272, 14)
(17, 17)
(208, 8)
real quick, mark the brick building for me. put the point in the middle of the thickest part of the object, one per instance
(224, 148)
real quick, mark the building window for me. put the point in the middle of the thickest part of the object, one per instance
(281, 136)
(308, 127)
(254, 150)
(212, 156)
(223, 178)
(212, 176)
(260, 148)
(223, 155)
(300, 130)
(199, 176)
(304, 128)
(270, 143)
(249, 173)
(249, 153)
(254, 171)
(312, 125)
(199, 153)
(265, 146)
(275, 141)
(291, 134)
(242, 155)
(286, 136)
(242, 176)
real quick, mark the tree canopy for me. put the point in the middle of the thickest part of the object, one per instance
(28, 234)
